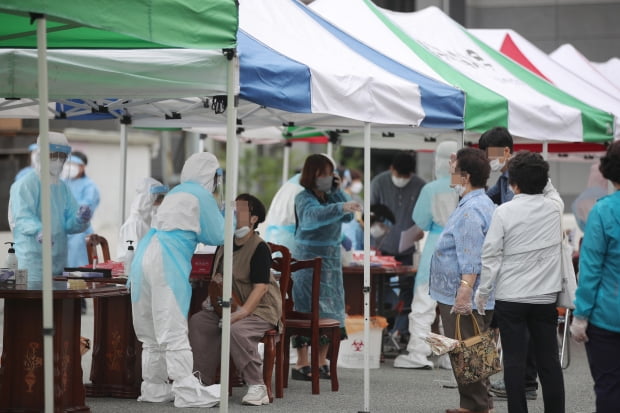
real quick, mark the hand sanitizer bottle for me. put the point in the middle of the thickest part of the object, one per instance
(11, 259)
(128, 257)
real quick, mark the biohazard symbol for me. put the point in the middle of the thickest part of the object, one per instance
(358, 345)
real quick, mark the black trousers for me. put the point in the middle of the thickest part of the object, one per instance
(602, 349)
(517, 322)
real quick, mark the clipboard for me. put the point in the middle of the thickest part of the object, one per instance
(409, 237)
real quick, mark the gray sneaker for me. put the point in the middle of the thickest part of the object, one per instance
(531, 394)
(256, 395)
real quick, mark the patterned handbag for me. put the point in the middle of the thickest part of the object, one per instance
(475, 358)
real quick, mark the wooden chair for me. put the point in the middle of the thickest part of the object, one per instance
(92, 241)
(273, 351)
(310, 325)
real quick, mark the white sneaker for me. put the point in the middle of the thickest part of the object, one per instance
(413, 361)
(256, 395)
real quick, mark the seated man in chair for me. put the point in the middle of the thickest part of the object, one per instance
(259, 306)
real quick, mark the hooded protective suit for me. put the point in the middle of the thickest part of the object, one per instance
(85, 192)
(25, 214)
(280, 220)
(160, 289)
(139, 221)
(436, 202)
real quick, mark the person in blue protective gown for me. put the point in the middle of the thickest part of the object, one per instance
(280, 220)
(25, 213)
(149, 195)
(85, 192)
(160, 288)
(33, 149)
(436, 202)
(320, 208)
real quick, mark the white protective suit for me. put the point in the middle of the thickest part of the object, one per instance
(280, 220)
(142, 210)
(436, 202)
(160, 288)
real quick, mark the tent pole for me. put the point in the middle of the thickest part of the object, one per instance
(123, 178)
(46, 218)
(232, 156)
(286, 160)
(366, 288)
(330, 150)
(545, 150)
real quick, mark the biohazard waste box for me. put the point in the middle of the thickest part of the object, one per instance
(352, 349)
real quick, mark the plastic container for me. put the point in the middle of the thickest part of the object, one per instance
(351, 354)
(128, 257)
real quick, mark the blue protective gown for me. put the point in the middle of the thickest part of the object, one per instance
(318, 234)
(85, 192)
(26, 213)
(178, 246)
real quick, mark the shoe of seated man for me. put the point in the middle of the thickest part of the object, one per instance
(256, 395)
(531, 394)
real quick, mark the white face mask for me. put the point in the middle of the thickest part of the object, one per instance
(356, 187)
(242, 232)
(324, 183)
(496, 165)
(56, 167)
(460, 189)
(400, 182)
(377, 231)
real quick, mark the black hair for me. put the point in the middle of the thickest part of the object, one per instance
(474, 162)
(381, 213)
(404, 162)
(529, 171)
(257, 209)
(498, 137)
(81, 155)
(610, 163)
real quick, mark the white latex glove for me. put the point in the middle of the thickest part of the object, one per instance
(578, 329)
(239, 314)
(481, 301)
(462, 302)
(351, 206)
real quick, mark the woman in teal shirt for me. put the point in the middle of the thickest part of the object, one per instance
(597, 306)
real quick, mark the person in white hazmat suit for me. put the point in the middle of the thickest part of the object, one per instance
(280, 220)
(160, 288)
(25, 212)
(436, 202)
(149, 195)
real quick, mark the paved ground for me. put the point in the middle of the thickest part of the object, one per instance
(391, 390)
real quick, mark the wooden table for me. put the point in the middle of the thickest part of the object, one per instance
(21, 369)
(353, 280)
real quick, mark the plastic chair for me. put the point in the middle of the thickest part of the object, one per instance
(92, 241)
(310, 325)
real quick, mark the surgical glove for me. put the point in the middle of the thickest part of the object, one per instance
(481, 301)
(84, 213)
(351, 206)
(40, 238)
(578, 329)
(239, 314)
(462, 302)
(346, 243)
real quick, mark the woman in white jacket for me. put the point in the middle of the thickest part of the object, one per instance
(521, 259)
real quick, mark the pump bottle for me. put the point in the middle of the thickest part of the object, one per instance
(128, 257)
(11, 259)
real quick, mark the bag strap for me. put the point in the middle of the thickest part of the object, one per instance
(474, 322)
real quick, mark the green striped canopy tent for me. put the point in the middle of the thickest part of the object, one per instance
(499, 92)
(118, 24)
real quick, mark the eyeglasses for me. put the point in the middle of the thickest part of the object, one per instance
(54, 156)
